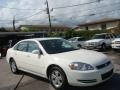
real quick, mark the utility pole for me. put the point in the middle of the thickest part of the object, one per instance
(48, 12)
(14, 24)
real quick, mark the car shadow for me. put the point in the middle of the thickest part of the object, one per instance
(112, 84)
(33, 76)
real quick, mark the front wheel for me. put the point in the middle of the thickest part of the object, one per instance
(57, 78)
(79, 46)
(13, 67)
(103, 47)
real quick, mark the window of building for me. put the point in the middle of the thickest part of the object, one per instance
(86, 28)
(103, 27)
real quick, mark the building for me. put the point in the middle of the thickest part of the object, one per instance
(44, 28)
(104, 24)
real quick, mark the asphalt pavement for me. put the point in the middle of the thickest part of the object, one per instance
(8, 81)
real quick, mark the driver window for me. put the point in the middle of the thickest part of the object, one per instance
(107, 37)
(32, 46)
(81, 39)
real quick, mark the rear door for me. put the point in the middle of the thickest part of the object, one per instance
(81, 41)
(20, 52)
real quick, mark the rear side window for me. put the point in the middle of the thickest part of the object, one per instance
(22, 46)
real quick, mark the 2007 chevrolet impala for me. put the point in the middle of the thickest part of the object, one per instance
(57, 60)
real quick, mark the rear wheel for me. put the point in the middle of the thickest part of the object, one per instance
(57, 78)
(13, 67)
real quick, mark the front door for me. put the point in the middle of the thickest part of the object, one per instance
(108, 40)
(35, 61)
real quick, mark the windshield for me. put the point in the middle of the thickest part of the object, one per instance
(98, 37)
(72, 39)
(54, 46)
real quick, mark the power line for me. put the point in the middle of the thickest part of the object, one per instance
(110, 5)
(77, 4)
(5, 23)
(100, 13)
(18, 8)
(54, 7)
(93, 14)
(113, 4)
(80, 15)
(24, 18)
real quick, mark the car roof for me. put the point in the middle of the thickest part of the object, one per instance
(103, 33)
(77, 37)
(41, 39)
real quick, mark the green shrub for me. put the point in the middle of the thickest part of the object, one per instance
(86, 34)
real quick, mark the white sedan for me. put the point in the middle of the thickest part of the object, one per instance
(57, 60)
(77, 41)
(116, 43)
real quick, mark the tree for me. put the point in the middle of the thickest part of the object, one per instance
(69, 34)
(2, 29)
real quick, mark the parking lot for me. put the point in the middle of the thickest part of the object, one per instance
(8, 80)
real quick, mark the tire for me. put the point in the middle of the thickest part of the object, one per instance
(103, 47)
(13, 67)
(116, 50)
(79, 46)
(58, 78)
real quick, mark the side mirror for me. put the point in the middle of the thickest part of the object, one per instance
(35, 52)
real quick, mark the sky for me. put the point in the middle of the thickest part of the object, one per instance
(34, 11)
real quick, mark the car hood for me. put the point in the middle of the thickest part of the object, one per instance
(95, 40)
(82, 55)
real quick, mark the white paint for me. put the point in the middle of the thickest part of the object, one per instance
(38, 64)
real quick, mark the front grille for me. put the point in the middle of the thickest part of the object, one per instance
(117, 42)
(107, 75)
(118, 46)
(91, 44)
(103, 65)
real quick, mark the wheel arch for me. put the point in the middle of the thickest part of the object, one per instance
(10, 59)
(51, 66)
(104, 43)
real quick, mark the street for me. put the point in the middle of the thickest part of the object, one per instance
(8, 81)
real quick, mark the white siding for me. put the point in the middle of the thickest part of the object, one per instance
(81, 28)
(94, 27)
(111, 25)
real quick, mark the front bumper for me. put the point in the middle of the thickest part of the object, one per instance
(92, 47)
(116, 46)
(89, 78)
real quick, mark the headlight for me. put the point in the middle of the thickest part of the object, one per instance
(117, 42)
(113, 43)
(97, 43)
(80, 66)
(94, 43)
